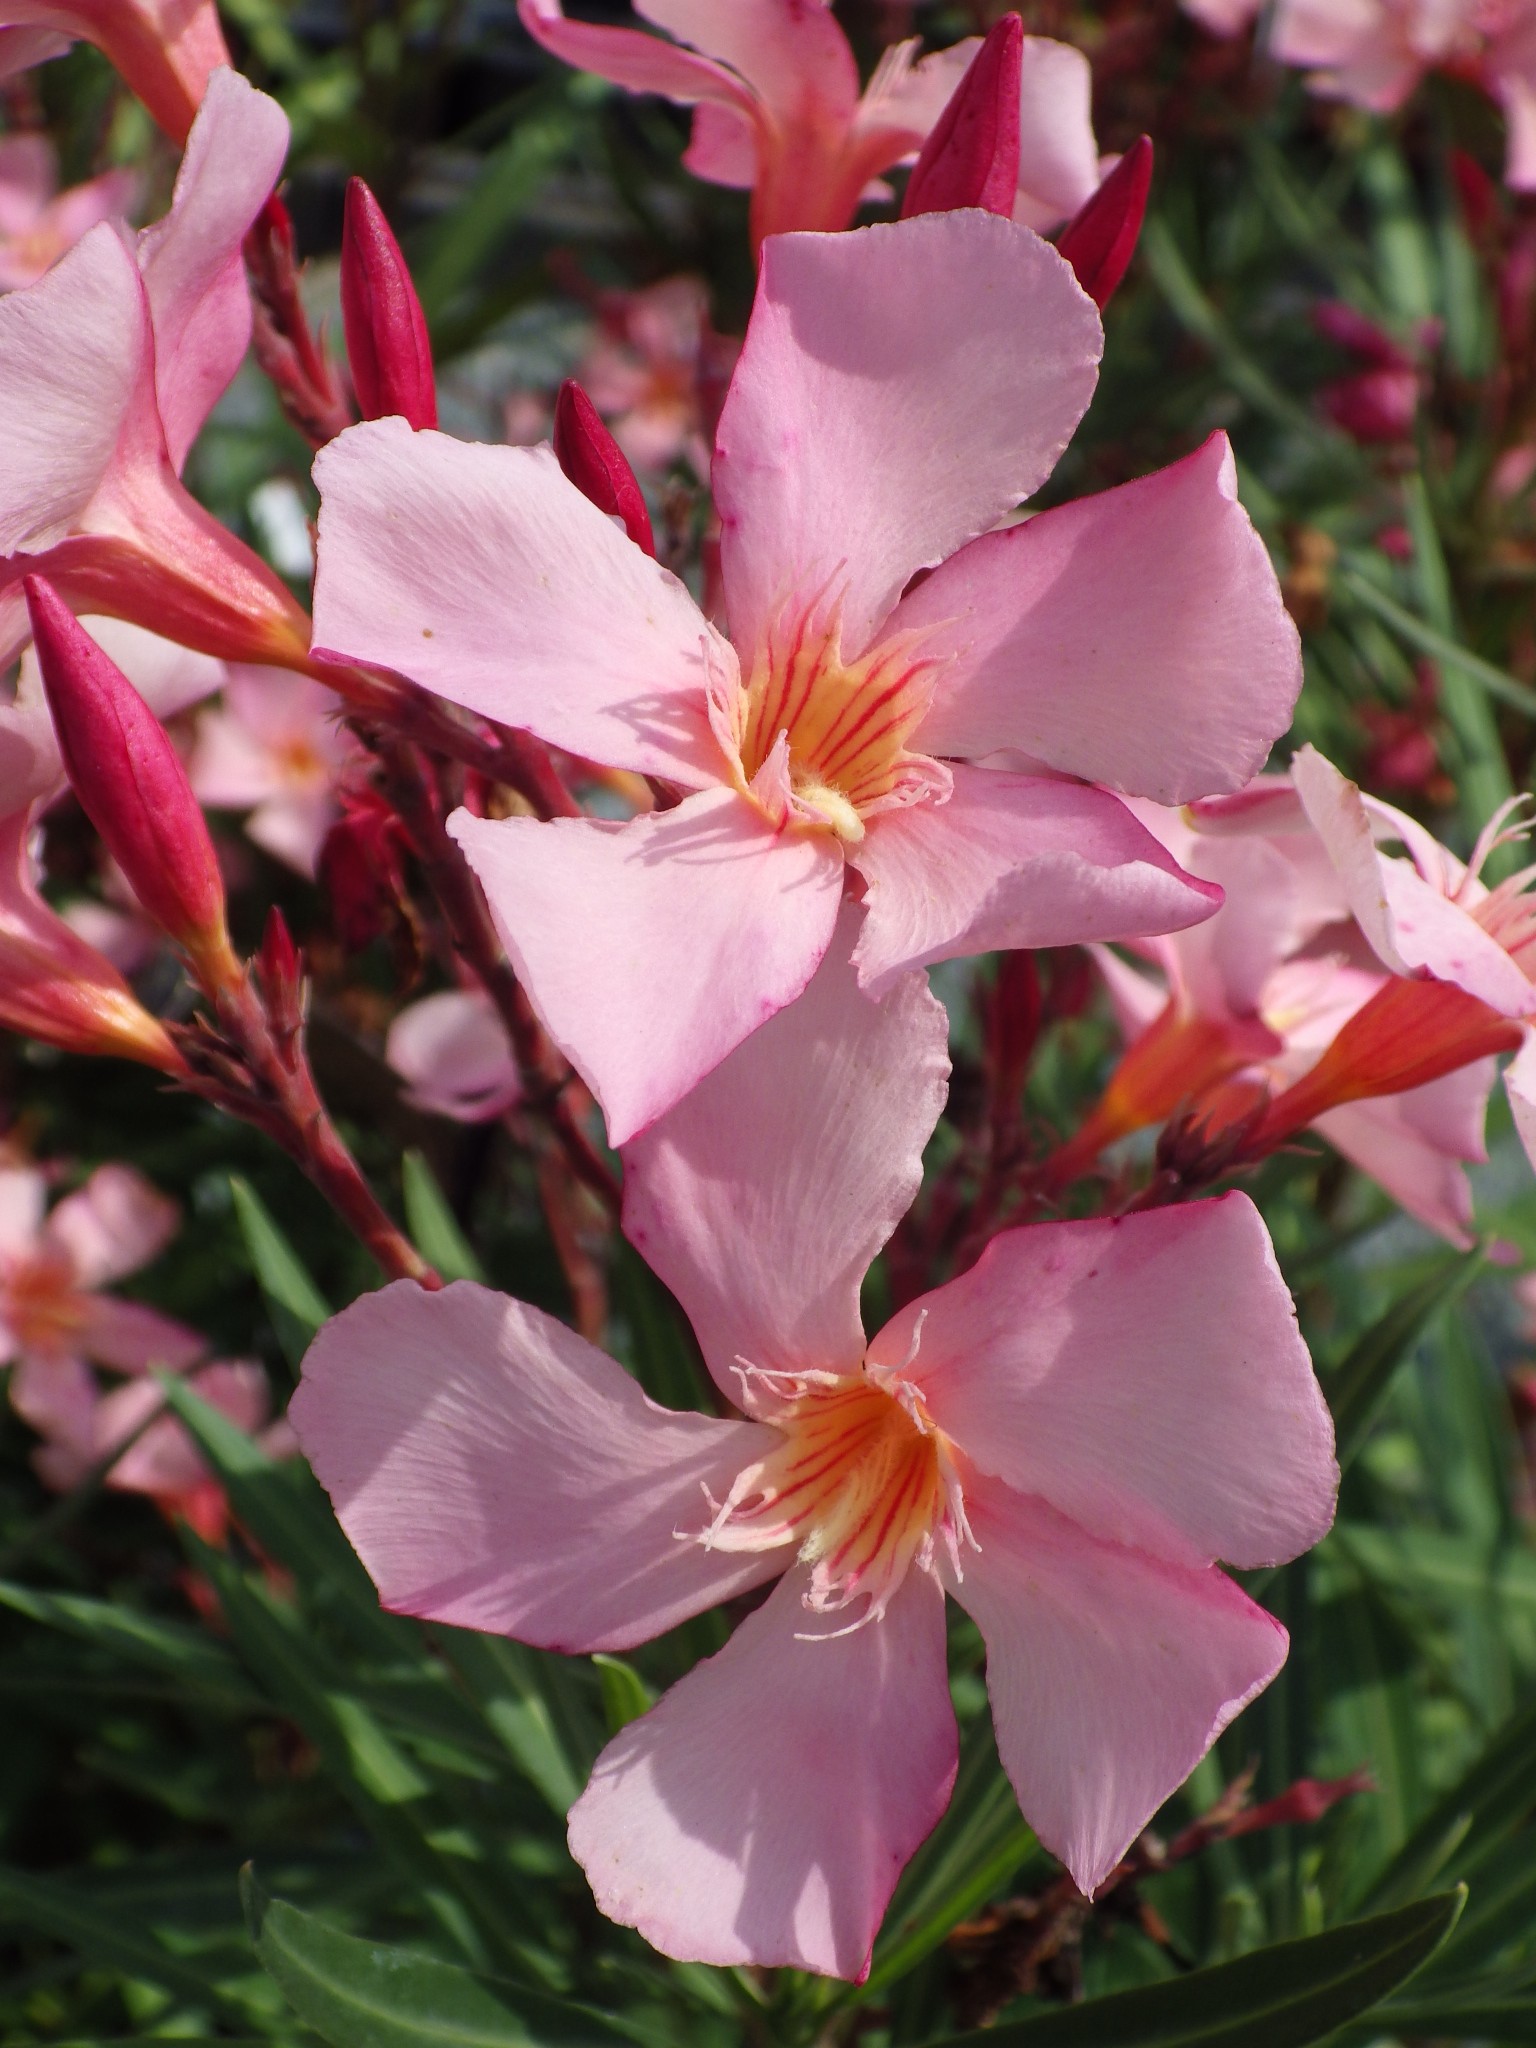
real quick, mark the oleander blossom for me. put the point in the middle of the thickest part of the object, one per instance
(778, 109)
(1425, 913)
(952, 739)
(275, 746)
(38, 222)
(56, 1321)
(164, 50)
(1065, 1439)
(1255, 995)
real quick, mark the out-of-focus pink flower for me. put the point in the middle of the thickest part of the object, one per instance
(1374, 53)
(164, 50)
(108, 367)
(1258, 993)
(1424, 913)
(882, 420)
(1379, 403)
(777, 105)
(38, 223)
(650, 368)
(276, 747)
(1065, 1439)
(452, 1051)
(1224, 17)
(55, 1322)
(162, 1462)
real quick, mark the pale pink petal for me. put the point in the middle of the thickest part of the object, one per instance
(722, 148)
(169, 678)
(108, 197)
(763, 1197)
(486, 577)
(193, 270)
(57, 1394)
(900, 389)
(23, 1200)
(1360, 52)
(75, 353)
(903, 100)
(1512, 78)
(697, 924)
(1224, 17)
(790, 52)
(1137, 639)
(113, 1225)
(762, 1812)
(231, 766)
(495, 1471)
(1138, 999)
(21, 48)
(452, 1051)
(164, 1462)
(1143, 1373)
(293, 828)
(1334, 808)
(29, 176)
(1520, 1087)
(630, 58)
(1013, 860)
(130, 1337)
(1111, 1673)
(1058, 156)
(1413, 1145)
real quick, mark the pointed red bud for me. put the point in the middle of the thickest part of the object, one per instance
(597, 465)
(131, 785)
(386, 330)
(1100, 239)
(971, 157)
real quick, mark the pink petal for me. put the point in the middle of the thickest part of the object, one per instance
(75, 355)
(1361, 53)
(788, 51)
(486, 577)
(1520, 1087)
(1013, 860)
(1137, 639)
(23, 1200)
(903, 100)
(1058, 156)
(883, 412)
(762, 1812)
(697, 925)
(57, 1394)
(1111, 1673)
(21, 48)
(130, 1337)
(1413, 1145)
(632, 59)
(191, 260)
(1224, 17)
(451, 1050)
(113, 1225)
(495, 1471)
(29, 176)
(1142, 1373)
(762, 1198)
(164, 1462)
(722, 148)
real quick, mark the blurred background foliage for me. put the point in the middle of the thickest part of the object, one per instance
(174, 1710)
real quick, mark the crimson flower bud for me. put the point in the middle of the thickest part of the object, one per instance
(971, 157)
(1100, 239)
(597, 465)
(386, 330)
(132, 786)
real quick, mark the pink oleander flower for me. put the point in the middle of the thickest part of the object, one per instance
(1424, 913)
(647, 368)
(276, 747)
(900, 389)
(162, 1462)
(1375, 52)
(453, 1053)
(164, 50)
(778, 110)
(1257, 994)
(1224, 17)
(38, 223)
(55, 1322)
(1065, 1439)
(108, 367)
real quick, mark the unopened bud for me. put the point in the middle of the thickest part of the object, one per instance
(1409, 1034)
(1100, 239)
(971, 157)
(132, 786)
(387, 344)
(598, 466)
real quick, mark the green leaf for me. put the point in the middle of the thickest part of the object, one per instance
(1439, 646)
(1356, 1388)
(1280, 1997)
(190, 1656)
(364, 1994)
(432, 1224)
(626, 1696)
(295, 1304)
